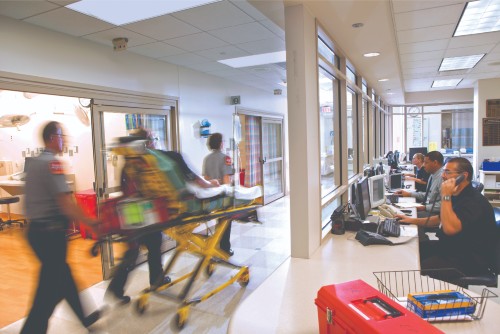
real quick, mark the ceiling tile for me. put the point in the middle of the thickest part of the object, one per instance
(425, 34)
(162, 27)
(431, 17)
(23, 9)
(431, 55)
(184, 59)
(243, 33)
(249, 9)
(468, 51)
(423, 63)
(214, 16)
(276, 29)
(264, 46)
(476, 39)
(406, 6)
(432, 70)
(196, 42)
(225, 52)
(439, 44)
(70, 22)
(106, 37)
(156, 50)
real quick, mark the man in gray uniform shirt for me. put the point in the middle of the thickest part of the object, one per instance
(431, 198)
(218, 166)
(49, 207)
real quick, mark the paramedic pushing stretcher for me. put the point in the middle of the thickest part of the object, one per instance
(49, 208)
(152, 241)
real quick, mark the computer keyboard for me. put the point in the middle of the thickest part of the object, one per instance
(391, 199)
(390, 227)
(370, 238)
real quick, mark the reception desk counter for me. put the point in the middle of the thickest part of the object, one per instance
(284, 303)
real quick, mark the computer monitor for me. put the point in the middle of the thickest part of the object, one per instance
(353, 199)
(396, 181)
(414, 150)
(377, 190)
(27, 162)
(363, 198)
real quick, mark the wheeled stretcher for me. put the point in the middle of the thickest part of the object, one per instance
(164, 202)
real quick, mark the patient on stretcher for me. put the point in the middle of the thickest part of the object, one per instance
(165, 174)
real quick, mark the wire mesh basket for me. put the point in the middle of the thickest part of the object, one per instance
(460, 305)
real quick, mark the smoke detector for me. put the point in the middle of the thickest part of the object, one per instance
(120, 43)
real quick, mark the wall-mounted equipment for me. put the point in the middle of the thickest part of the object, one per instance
(120, 43)
(204, 128)
(235, 99)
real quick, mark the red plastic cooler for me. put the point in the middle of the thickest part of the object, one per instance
(356, 307)
(87, 201)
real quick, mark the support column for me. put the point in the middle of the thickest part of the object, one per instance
(303, 130)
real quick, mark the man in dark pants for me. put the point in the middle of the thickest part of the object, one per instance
(467, 235)
(218, 166)
(49, 207)
(153, 240)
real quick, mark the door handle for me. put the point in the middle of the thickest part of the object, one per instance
(263, 161)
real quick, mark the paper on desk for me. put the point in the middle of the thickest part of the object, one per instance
(408, 205)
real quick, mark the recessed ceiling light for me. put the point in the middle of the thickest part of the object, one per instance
(261, 59)
(389, 93)
(460, 63)
(371, 54)
(478, 17)
(123, 12)
(382, 80)
(445, 83)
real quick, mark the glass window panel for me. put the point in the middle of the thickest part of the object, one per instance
(398, 132)
(364, 88)
(398, 110)
(351, 133)
(328, 100)
(327, 210)
(350, 75)
(364, 119)
(414, 127)
(326, 52)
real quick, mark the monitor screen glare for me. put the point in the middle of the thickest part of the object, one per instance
(396, 181)
(377, 190)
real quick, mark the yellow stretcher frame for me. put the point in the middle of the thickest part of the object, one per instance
(207, 248)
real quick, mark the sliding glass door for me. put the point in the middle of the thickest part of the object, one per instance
(111, 122)
(272, 159)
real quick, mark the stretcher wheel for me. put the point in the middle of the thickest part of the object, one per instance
(140, 306)
(244, 279)
(181, 317)
(209, 270)
(94, 251)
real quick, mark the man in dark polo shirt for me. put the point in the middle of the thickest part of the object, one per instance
(467, 235)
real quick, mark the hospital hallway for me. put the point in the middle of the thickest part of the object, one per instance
(261, 246)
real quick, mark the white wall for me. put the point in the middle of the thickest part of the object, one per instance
(29, 51)
(483, 90)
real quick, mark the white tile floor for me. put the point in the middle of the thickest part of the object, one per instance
(263, 247)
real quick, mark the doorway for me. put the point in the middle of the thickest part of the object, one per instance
(112, 120)
(261, 154)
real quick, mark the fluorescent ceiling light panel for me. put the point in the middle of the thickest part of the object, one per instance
(446, 83)
(119, 12)
(478, 17)
(371, 54)
(261, 59)
(382, 80)
(460, 63)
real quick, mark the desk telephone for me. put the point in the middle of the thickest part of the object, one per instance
(387, 211)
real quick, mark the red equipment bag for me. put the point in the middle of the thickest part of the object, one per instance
(124, 215)
(356, 307)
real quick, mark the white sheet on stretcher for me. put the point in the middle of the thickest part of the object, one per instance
(239, 191)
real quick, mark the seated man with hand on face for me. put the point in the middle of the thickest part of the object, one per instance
(430, 199)
(467, 233)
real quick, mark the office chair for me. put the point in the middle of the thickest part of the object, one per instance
(8, 201)
(478, 186)
(490, 280)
